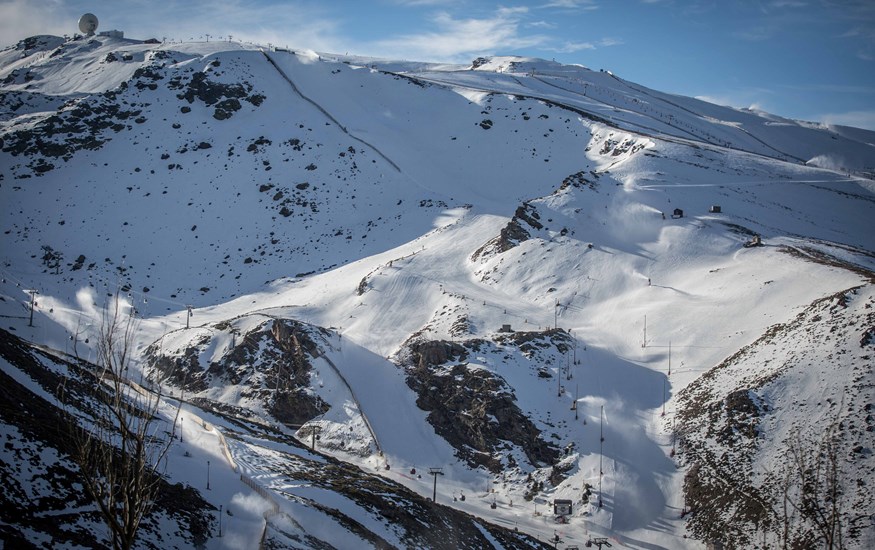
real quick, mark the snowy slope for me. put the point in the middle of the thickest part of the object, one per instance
(391, 207)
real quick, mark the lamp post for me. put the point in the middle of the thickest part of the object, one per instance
(575, 346)
(663, 397)
(575, 401)
(435, 472)
(33, 294)
(601, 450)
(314, 433)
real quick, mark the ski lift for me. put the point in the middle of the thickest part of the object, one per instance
(413, 471)
(493, 505)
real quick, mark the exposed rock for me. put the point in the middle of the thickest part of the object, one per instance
(737, 440)
(272, 363)
(472, 408)
(517, 230)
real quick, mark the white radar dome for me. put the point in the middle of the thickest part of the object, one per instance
(88, 23)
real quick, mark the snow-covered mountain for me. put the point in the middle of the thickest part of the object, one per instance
(531, 275)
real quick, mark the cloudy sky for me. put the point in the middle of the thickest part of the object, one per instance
(805, 59)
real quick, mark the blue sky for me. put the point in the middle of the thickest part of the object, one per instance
(804, 59)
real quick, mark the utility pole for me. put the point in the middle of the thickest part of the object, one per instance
(601, 450)
(556, 315)
(33, 294)
(208, 475)
(559, 382)
(644, 343)
(188, 316)
(663, 397)
(220, 520)
(575, 401)
(575, 348)
(435, 472)
(314, 434)
(669, 357)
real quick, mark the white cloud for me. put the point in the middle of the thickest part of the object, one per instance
(513, 11)
(425, 2)
(606, 42)
(571, 47)
(755, 34)
(865, 38)
(572, 4)
(291, 23)
(455, 39)
(23, 18)
(779, 4)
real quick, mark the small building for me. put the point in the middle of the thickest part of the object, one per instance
(505, 328)
(678, 213)
(562, 507)
(112, 34)
(715, 209)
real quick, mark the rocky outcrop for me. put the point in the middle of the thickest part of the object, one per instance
(472, 408)
(759, 436)
(42, 497)
(271, 363)
(517, 230)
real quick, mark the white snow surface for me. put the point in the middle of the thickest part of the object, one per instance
(407, 184)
